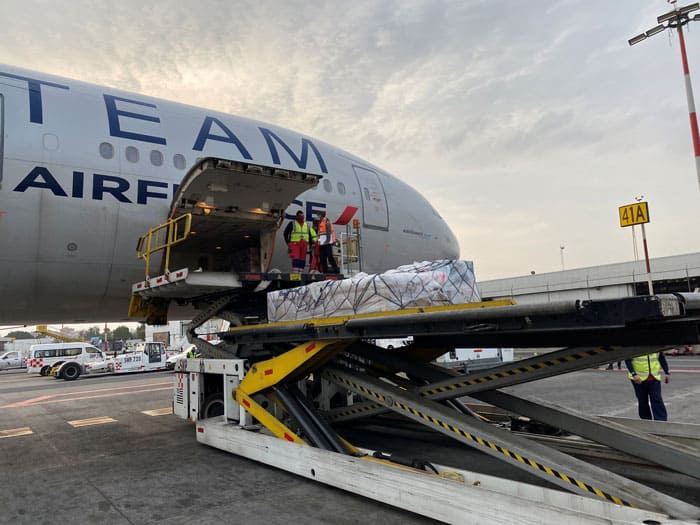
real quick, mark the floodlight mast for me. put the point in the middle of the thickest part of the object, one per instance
(677, 19)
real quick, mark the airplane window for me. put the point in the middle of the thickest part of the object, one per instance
(156, 158)
(179, 161)
(327, 185)
(341, 188)
(132, 154)
(106, 150)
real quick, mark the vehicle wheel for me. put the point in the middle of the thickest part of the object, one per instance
(44, 371)
(70, 372)
(213, 406)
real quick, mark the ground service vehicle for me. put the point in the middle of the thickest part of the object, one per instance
(12, 359)
(75, 356)
(277, 398)
(469, 359)
(145, 357)
(172, 361)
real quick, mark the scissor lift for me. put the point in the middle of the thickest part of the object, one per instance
(301, 377)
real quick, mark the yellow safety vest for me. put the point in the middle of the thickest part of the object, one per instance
(647, 365)
(300, 232)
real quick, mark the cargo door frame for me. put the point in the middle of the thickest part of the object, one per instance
(372, 191)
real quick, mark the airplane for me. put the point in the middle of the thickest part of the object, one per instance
(85, 170)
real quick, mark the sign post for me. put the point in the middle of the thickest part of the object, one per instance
(638, 213)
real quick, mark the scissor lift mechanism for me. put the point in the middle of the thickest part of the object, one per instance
(296, 376)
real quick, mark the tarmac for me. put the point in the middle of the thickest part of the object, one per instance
(108, 450)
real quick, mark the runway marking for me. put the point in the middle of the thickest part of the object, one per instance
(158, 411)
(15, 432)
(43, 400)
(111, 389)
(91, 421)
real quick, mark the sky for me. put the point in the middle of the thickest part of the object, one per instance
(525, 123)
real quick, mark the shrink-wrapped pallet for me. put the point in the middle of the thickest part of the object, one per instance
(430, 283)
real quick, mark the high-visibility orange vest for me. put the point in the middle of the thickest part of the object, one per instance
(326, 234)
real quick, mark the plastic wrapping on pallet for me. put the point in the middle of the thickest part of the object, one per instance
(430, 283)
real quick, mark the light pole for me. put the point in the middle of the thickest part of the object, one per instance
(561, 252)
(677, 19)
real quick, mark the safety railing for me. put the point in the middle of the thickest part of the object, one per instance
(163, 237)
(44, 330)
(350, 249)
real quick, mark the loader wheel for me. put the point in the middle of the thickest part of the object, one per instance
(71, 372)
(44, 371)
(213, 406)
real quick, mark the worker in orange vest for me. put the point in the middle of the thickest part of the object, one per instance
(326, 240)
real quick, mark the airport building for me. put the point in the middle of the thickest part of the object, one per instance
(677, 273)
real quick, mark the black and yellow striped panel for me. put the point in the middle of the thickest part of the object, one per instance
(355, 410)
(438, 423)
(517, 370)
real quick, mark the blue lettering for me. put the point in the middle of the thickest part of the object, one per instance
(300, 161)
(295, 205)
(36, 113)
(312, 209)
(205, 134)
(78, 178)
(117, 191)
(113, 114)
(143, 193)
(47, 182)
(117, 187)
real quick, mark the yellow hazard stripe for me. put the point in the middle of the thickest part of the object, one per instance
(342, 319)
(488, 444)
(518, 370)
(350, 411)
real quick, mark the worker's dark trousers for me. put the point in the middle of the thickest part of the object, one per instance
(649, 393)
(327, 261)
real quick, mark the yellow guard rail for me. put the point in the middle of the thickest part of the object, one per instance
(163, 237)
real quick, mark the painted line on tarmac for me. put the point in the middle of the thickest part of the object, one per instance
(40, 399)
(158, 411)
(15, 432)
(91, 421)
(73, 392)
(44, 400)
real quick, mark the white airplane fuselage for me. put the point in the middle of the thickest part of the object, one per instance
(86, 170)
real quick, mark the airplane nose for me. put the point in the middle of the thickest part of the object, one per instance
(451, 243)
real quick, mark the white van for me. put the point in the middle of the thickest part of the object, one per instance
(470, 359)
(43, 357)
(12, 359)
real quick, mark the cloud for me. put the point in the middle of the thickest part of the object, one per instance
(525, 123)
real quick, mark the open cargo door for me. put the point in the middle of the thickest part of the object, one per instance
(236, 210)
(222, 223)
